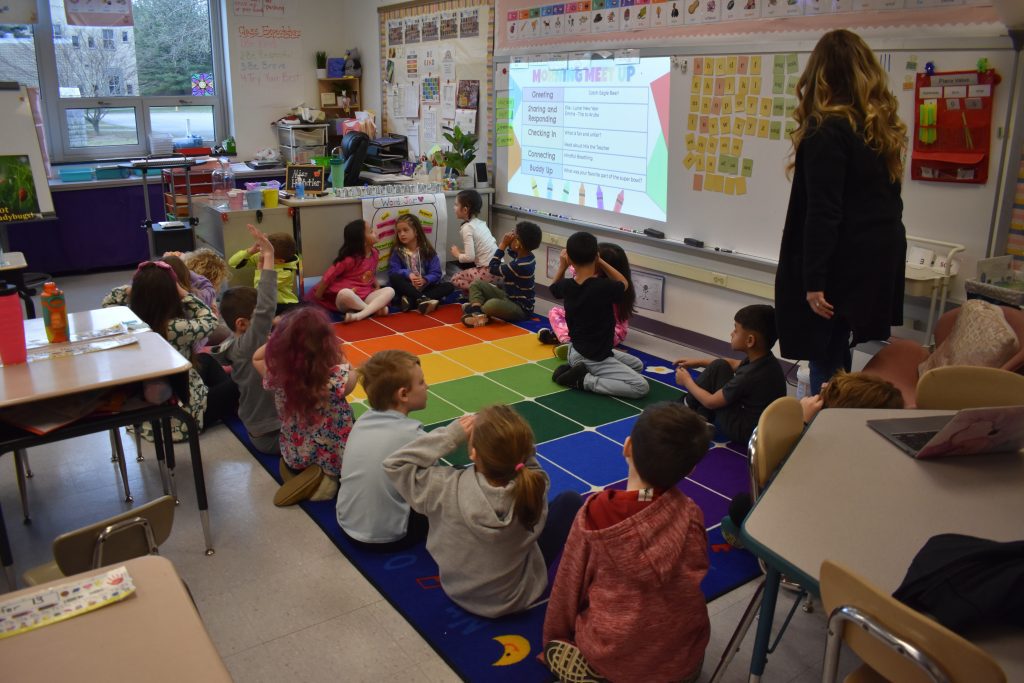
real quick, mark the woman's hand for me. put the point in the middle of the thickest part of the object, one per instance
(818, 304)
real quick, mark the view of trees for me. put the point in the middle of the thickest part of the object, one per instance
(172, 42)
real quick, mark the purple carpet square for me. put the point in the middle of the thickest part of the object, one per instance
(562, 480)
(711, 504)
(590, 456)
(724, 471)
(618, 431)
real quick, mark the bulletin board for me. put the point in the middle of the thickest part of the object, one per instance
(436, 71)
(733, 193)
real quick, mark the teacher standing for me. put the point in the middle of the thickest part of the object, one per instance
(841, 264)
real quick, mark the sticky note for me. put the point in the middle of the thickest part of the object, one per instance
(712, 147)
(741, 104)
(751, 104)
(730, 85)
(715, 182)
(738, 125)
(728, 164)
(742, 86)
(720, 64)
(778, 84)
(741, 185)
(691, 142)
(730, 185)
(762, 128)
(713, 125)
(755, 65)
(730, 65)
(699, 166)
(727, 105)
(754, 85)
(706, 86)
(702, 144)
(775, 130)
(790, 127)
(720, 86)
(698, 183)
(747, 168)
(778, 106)
(703, 127)
(709, 163)
(779, 65)
(698, 66)
(766, 106)
(689, 160)
(791, 84)
(725, 125)
(705, 105)
(691, 122)
(716, 106)
(695, 84)
(742, 63)
(694, 102)
(750, 125)
(736, 147)
(792, 66)
(791, 103)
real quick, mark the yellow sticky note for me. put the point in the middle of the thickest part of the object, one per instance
(750, 125)
(737, 125)
(730, 86)
(702, 144)
(736, 147)
(730, 185)
(713, 126)
(700, 164)
(715, 182)
(689, 160)
(695, 102)
(725, 125)
(766, 106)
(742, 86)
(730, 65)
(755, 65)
(705, 105)
(720, 63)
(712, 146)
(709, 163)
(762, 128)
(691, 142)
(691, 122)
(741, 104)
(707, 86)
(751, 104)
(741, 185)
(696, 84)
(754, 85)
(727, 105)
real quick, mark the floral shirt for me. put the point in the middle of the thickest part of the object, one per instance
(182, 333)
(321, 441)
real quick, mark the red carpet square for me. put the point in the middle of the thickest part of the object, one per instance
(364, 329)
(407, 322)
(442, 338)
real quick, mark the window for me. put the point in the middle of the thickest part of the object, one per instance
(132, 82)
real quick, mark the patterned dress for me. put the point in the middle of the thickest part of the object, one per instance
(197, 323)
(321, 441)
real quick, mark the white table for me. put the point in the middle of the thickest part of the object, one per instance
(848, 495)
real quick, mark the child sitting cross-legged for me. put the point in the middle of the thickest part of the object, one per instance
(594, 365)
(477, 242)
(302, 363)
(492, 532)
(249, 314)
(287, 263)
(414, 270)
(515, 300)
(369, 508)
(626, 604)
(350, 284)
(730, 393)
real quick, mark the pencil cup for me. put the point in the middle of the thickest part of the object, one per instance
(254, 199)
(270, 199)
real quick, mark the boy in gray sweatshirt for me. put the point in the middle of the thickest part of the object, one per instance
(249, 314)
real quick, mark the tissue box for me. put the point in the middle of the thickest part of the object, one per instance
(335, 67)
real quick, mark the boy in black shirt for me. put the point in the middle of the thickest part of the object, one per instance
(593, 364)
(730, 393)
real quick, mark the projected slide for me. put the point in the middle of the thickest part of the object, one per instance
(593, 136)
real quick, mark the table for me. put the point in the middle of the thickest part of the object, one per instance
(848, 495)
(151, 358)
(155, 635)
(12, 269)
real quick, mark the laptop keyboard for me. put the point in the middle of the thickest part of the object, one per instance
(915, 440)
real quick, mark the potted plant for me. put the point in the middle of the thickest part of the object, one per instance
(321, 64)
(461, 154)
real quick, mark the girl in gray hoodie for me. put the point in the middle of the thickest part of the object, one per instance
(488, 522)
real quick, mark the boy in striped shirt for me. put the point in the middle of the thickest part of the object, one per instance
(514, 301)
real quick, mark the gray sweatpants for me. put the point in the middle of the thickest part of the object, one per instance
(617, 375)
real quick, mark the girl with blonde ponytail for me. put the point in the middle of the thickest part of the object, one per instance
(491, 533)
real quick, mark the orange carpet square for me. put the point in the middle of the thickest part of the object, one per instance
(394, 341)
(353, 355)
(496, 329)
(442, 338)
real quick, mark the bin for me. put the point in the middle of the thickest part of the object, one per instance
(170, 236)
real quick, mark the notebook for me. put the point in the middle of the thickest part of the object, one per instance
(973, 431)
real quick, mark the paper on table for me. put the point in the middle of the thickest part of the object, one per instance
(51, 351)
(112, 331)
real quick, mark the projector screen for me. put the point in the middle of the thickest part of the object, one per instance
(593, 135)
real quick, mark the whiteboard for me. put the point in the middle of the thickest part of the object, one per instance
(18, 142)
(751, 224)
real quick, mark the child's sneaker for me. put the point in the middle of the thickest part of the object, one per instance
(562, 352)
(567, 663)
(425, 306)
(477, 319)
(403, 305)
(547, 336)
(573, 377)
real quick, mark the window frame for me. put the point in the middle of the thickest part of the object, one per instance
(54, 107)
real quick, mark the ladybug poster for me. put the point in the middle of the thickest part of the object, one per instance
(18, 198)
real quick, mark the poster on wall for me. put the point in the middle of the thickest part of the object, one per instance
(468, 96)
(383, 212)
(412, 30)
(469, 23)
(449, 25)
(18, 199)
(429, 28)
(19, 12)
(395, 33)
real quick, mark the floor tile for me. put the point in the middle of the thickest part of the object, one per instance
(529, 380)
(714, 506)
(443, 338)
(497, 329)
(451, 313)
(437, 409)
(723, 471)
(358, 408)
(589, 456)
(546, 424)
(483, 357)
(473, 393)
(527, 346)
(587, 408)
(353, 354)
(407, 322)
(550, 363)
(363, 329)
(658, 392)
(562, 480)
(437, 367)
(392, 341)
(457, 458)
(618, 431)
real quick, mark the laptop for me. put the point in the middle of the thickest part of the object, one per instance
(973, 431)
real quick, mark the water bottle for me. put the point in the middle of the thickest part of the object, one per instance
(12, 326)
(300, 189)
(55, 313)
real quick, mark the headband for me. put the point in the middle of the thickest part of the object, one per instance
(158, 264)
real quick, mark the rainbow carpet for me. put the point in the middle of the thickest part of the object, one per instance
(579, 443)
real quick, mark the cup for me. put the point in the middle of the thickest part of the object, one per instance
(254, 199)
(235, 199)
(270, 198)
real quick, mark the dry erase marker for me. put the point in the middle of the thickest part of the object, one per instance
(565, 191)
(600, 198)
(619, 200)
(551, 188)
(583, 194)
(534, 188)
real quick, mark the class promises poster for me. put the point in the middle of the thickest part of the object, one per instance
(18, 198)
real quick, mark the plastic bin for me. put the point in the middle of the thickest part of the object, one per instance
(307, 136)
(75, 175)
(302, 155)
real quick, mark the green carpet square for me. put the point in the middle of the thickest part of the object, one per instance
(546, 424)
(358, 408)
(457, 458)
(437, 409)
(473, 393)
(588, 408)
(551, 363)
(659, 392)
(529, 380)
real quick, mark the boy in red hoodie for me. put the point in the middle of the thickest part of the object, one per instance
(626, 603)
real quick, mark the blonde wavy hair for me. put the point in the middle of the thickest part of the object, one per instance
(843, 78)
(208, 263)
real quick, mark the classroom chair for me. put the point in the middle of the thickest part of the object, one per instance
(778, 429)
(130, 534)
(894, 642)
(955, 387)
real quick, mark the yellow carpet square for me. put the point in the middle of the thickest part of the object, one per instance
(438, 368)
(484, 357)
(527, 346)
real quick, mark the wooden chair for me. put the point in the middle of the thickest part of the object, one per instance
(955, 387)
(131, 534)
(778, 429)
(895, 642)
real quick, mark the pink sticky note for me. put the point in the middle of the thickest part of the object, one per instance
(698, 183)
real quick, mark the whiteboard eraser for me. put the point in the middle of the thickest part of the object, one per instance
(651, 232)
(693, 242)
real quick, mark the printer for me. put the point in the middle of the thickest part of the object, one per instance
(387, 153)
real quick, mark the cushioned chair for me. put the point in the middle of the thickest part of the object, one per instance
(895, 642)
(131, 534)
(956, 387)
(778, 429)
(897, 362)
(354, 147)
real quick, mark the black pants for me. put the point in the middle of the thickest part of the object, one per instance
(404, 287)
(222, 398)
(561, 513)
(715, 376)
